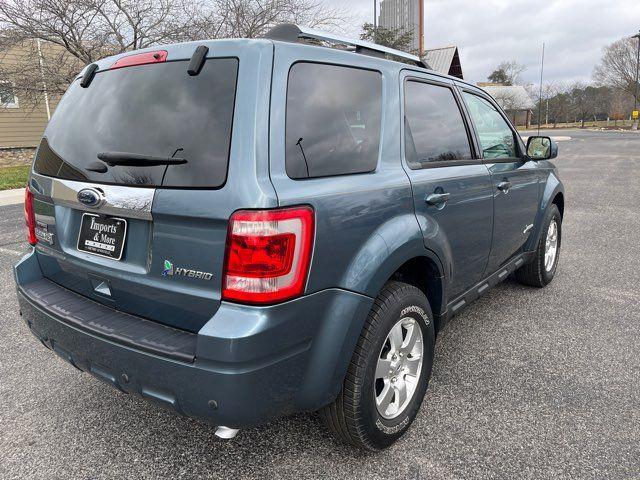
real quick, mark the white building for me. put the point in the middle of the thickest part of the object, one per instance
(404, 14)
(513, 99)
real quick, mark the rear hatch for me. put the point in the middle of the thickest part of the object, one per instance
(132, 199)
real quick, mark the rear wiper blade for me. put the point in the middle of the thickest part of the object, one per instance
(126, 159)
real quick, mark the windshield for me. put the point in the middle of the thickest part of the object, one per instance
(151, 110)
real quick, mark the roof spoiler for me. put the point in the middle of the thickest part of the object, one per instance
(288, 32)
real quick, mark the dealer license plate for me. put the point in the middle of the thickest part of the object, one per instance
(102, 236)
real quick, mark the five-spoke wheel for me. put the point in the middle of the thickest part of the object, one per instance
(398, 368)
(551, 246)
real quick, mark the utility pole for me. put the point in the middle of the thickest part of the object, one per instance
(546, 120)
(375, 16)
(635, 95)
(420, 27)
(44, 82)
(540, 97)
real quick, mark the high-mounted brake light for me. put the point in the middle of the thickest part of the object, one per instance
(268, 255)
(140, 59)
(29, 216)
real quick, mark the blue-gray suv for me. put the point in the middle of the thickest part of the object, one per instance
(244, 229)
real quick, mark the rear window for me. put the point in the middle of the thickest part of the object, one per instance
(333, 120)
(150, 110)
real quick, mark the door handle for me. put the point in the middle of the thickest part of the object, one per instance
(504, 186)
(437, 198)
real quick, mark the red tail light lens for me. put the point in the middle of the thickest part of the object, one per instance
(29, 216)
(141, 59)
(268, 255)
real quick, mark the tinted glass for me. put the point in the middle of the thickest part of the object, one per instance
(496, 137)
(333, 120)
(434, 129)
(150, 110)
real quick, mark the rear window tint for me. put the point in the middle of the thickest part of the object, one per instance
(150, 110)
(333, 120)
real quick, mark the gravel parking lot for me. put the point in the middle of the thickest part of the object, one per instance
(527, 383)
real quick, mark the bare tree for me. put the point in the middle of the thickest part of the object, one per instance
(582, 102)
(588, 101)
(599, 101)
(620, 105)
(507, 73)
(557, 102)
(253, 18)
(90, 29)
(617, 66)
(50, 41)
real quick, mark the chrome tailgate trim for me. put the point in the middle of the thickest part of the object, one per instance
(128, 201)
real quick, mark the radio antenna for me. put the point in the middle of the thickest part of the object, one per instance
(540, 98)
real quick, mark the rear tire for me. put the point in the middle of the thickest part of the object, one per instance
(542, 268)
(389, 372)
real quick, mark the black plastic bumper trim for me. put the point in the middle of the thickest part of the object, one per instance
(103, 321)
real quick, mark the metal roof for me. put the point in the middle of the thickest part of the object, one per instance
(444, 60)
(510, 97)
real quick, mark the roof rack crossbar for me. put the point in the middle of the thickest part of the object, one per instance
(289, 32)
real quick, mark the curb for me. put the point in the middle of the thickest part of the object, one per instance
(11, 197)
(557, 139)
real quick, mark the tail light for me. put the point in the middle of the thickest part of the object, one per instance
(268, 255)
(29, 216)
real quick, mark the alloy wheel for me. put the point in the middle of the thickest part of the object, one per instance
(398, 368)
(551, 246)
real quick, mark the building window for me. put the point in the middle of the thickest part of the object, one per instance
(8, 97)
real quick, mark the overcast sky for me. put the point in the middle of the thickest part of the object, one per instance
(490, 31)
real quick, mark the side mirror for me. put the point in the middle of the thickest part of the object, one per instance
(542, 148)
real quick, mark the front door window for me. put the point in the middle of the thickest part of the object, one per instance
(496, 137)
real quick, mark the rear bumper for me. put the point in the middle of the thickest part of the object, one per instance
(250, 364)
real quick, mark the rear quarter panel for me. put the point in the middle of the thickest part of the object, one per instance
(365, 223)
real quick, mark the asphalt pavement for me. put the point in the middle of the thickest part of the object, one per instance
(527, 383)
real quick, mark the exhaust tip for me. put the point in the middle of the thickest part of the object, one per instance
(226, 433)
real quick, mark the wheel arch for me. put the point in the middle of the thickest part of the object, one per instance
(397, 250)
(396, 246)
(418, 266)
(423, 273)
(558, 201)
(553, 194)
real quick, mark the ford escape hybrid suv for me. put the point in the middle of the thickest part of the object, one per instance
(243, 229)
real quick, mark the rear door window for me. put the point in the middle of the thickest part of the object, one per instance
(434, 129)
(156, 110)
(333, 120)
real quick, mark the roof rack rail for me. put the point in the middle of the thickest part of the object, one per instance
(288, 32)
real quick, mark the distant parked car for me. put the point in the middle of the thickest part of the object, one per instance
(243, 229)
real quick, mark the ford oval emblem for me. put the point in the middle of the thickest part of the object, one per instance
(91, 197)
